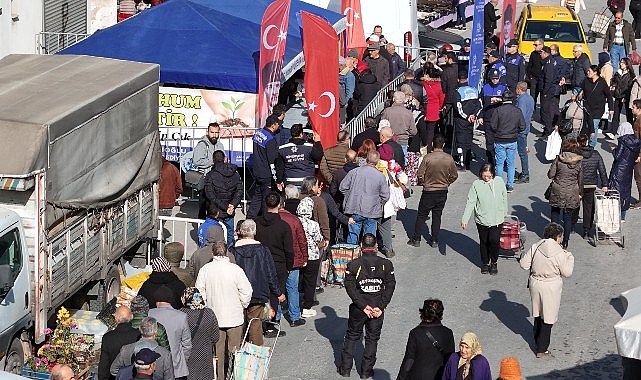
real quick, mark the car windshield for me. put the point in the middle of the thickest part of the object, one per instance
(424, 29)
(553, 31)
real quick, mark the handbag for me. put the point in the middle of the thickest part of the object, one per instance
(635, 58)
(548, 192)
(435, 343)
(553, 146)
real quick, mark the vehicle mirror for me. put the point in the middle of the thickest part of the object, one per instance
(591, 40)
(7, 279)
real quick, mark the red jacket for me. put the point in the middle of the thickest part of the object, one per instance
(171, 185)
(435, 100)
(298, 236)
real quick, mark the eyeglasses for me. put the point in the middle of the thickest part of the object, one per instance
(618, 18)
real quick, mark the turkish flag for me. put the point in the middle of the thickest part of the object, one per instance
(273, 32)
(355, 38)
(320, 48)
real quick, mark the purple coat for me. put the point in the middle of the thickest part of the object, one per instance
(479, 370)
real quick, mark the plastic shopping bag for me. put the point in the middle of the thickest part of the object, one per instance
(553, 147)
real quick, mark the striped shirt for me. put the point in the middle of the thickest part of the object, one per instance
(618, 34)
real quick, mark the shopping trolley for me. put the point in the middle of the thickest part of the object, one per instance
(512, 235)
(251, 362)
(607, 218)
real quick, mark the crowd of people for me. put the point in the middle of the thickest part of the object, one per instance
(308, 197)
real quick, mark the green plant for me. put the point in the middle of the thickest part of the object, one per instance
(234, 106)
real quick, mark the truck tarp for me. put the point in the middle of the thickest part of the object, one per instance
(89, 123)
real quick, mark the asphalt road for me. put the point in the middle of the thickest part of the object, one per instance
(497, 308)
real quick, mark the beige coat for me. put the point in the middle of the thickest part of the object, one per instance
(548, 264)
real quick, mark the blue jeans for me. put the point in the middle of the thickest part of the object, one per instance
(505, 152)
(404, 147)
(368, 225)
(616, 53)
(521, 142)
(593, 139)
(293, 297)
(231, 229)
(460, 14)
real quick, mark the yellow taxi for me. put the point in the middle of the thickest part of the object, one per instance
(555, 25)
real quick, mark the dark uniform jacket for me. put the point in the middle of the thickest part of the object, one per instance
(554, 68)
(265, 153)
(369, 280)
(515, 70)
(296, 160)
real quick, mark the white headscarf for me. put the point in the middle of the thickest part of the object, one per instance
(625, 128)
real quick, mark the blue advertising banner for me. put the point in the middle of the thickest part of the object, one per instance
(477, 46)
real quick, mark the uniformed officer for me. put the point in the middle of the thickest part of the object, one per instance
(264, 171)
(297, 158)
(495, 64)
(463, 56)
(555, 69)
(514, 65)
(492, 95)
(370, 283)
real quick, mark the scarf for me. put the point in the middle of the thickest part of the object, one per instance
(473, 342)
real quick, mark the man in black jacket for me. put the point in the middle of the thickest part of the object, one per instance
(417, 88)
(276, 235)
(534, 69)
(264, 170)
(113, 341)
(370, 283)
(224, 191)
(555, 70)
(490, 19)
(580, 66)
(297, 158)
(259, 267)
(370, 132)
(507, 123)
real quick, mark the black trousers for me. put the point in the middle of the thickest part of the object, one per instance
(636, 23)
(620, 106)
(535, 89)
(202, 204)
(309, 273)
(549, 112)
(258, 199)
(587, 202)
(542, 332)
(431, 201)
(281, 274)
(464, 132)
(430, 126)
(373, 326)
(489, 240)
(564, 217)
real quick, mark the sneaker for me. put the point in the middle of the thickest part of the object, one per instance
(485, 269)
(343, 372)
(367, 375)
(308, 313)
(636, 205)
(272, 333)
(296, 323)
(609, 135)
(509, 189)
(494, 270)
(433, 243)
(319, 290)
(523, 179)
(545, 354)
(414, 243)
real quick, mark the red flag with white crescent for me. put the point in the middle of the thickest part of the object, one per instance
(320, 48)
(355, 34)
(273, 35)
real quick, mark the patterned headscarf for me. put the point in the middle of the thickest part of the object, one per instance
(625, 128)
(473, 342)
(160, 264)
(192, 299)
(139, 305)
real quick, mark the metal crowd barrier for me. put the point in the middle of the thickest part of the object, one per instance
(183, 230)
(51, 42)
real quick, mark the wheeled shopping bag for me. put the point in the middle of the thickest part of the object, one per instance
(340, 255)
(607, 218)
(251, 362)
(512, 235)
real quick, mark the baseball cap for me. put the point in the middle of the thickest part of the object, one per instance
(495, 74)
(353, 53)
(146, 357)
(547, 49)
(273, 119)
(494, 53)
(466, 42)
(513, 42)
(490, 45)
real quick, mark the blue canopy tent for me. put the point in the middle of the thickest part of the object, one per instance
(204, 43)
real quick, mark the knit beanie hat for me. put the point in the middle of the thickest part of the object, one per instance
(510, 369)
(604, 57)
(164, 294)
(174, 252)
(160, 264)
(139, 305)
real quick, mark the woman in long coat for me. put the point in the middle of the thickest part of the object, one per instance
(204, 335)
(626, 155)
(548, 263)
(566, 173)
(422, 360)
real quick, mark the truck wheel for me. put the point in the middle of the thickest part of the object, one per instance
(109, 288)
(15, 357)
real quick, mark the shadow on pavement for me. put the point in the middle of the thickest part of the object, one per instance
(608, 367)
(618, 306)
(461, 244)
(333, 327)
(512, 314)
(535, 217)
(408, 215)
(381, 374)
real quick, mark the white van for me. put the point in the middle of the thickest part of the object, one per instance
(398, 19)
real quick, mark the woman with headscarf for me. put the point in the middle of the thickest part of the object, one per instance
(162, 275)
(203, 326)
(548, 263)
(428, 345)
(626, 154)
(566, 173)
(468, 363)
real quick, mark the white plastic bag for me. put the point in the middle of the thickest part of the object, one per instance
(553, 147)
